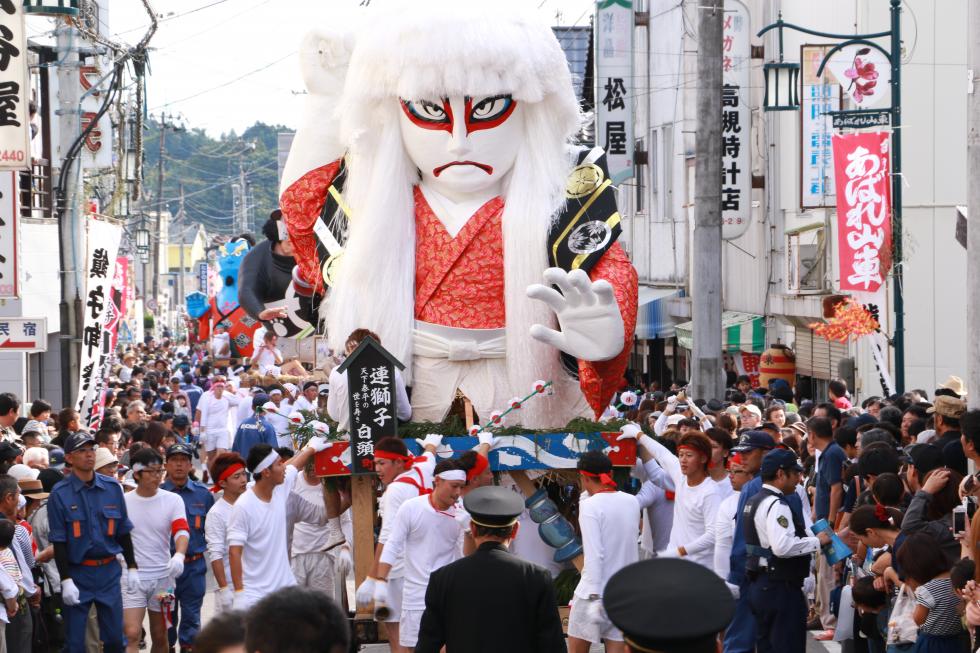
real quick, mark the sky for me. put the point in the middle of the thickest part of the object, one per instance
(222, 65)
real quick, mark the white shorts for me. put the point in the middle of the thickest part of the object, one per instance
(215, 439)
(408, 627)
(580, 627)
(395, 587)
(314, 570)
(148, 595)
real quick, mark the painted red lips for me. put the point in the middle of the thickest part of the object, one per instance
(482, 166)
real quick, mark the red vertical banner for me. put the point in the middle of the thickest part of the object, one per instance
(120, 283)
(862, 173)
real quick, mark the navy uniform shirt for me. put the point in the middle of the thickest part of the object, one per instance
(89, 517)
(198, 499)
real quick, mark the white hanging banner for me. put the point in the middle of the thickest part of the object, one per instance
(614, 85)
(15, 129)
(9, 233)
(736, 122)
(102, 246)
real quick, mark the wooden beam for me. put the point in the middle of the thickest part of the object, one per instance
(362, 514)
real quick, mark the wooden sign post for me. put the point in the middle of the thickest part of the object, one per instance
(371, 398)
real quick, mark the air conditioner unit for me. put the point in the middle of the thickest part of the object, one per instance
(806, 266)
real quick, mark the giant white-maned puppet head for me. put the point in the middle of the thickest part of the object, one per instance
(471, 98)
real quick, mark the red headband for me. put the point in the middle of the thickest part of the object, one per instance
(604, 478)
(225, 475)
(481, 464)
(391, 455)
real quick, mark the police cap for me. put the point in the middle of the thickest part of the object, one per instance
(493, 506)
(180, 449)
(754, 440)
(77, 440)
(668, 605)
(780, 459)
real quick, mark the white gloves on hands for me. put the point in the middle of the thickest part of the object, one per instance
(431, 439)
(69, 593)
(238, 601)
(365, 593)
(630, 432)
(380, 593)
(176, 566)
(596, 614)
(133, 580)
(224, 598)
(587, 312)
(488, 438)
(319, 443)
(344, 562)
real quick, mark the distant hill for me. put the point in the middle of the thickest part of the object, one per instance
(207, 167)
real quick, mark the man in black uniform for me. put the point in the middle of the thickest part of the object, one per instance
(491, 601)
(778, 550)
(668, 605)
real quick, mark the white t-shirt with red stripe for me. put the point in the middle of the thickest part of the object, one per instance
(407, 485)
(155, 520)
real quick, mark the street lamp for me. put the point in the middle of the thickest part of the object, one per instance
(51, 7)
(781, 84)
(782, 81)
(142, 240)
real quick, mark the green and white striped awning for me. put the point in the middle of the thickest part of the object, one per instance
(740, 332)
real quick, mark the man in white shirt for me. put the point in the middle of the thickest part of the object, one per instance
(267, 357)
(156, 516)
(277, 416)
(308, 399)
(404, 477)
(257, 532)
(228, 472)
(213, 412)
(609, 521)
(337, 403)
(723, 527)
(426, 535)
(315, 550)
(696, 496)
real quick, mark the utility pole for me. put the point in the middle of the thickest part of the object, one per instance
(155, 248)
(180, 244)
(973, 208)
(707, 380)
(243, 209)
(71, 227)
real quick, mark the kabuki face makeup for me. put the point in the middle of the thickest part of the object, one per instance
(462, 145)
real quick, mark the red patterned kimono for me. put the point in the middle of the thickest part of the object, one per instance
(459, 281)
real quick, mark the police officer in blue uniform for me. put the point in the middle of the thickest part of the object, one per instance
(89, 527)
(191, 585)
(751, 447)
(778, 553)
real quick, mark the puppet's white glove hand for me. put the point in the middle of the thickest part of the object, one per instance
(324, 56)
(589, 317)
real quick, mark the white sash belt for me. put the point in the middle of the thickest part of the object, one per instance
(437, 341)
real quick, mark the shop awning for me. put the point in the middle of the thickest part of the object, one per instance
(740, 332)
(652, 318)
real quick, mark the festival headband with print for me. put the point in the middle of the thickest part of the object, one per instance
(604, 478)
(225, 475)
(481, 464)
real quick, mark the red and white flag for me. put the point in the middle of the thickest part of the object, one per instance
(862, 172)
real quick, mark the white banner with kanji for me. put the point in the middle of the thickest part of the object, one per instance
(102, 246)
